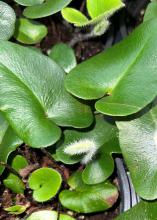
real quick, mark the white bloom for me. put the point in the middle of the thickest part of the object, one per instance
(83, 146)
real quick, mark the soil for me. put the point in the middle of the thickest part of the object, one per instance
(59, 31)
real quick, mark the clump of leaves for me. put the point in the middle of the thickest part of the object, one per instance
(45, 183)
(99, 12)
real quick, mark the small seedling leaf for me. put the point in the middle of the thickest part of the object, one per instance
(63, 55)
(74, 16)
(29, 32)
(48, 215)
(16, 209)
(45, 183)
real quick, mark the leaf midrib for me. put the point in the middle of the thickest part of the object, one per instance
(129, 66)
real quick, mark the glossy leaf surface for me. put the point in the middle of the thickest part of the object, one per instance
(29, 32)
(84, 198)
(48, 8)
(29, 2)
(45, 183)
(138, 142)
(142, 211)
(7, 21)
(116, 74)
(64, 56)
(33, 97)
(151, 11)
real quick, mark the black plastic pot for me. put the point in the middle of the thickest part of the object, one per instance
(129, 198)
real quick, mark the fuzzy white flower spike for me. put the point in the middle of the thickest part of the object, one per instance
(88, 147)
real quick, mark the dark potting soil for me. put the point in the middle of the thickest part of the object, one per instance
(59, 31)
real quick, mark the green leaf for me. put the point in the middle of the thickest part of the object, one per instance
(102, 167)
(13, 182)
(74, 16)
(48, 215)
(138, 143)
(84, 198)
(151, 11)
(45, 183)
(116, 74)
(29, 32)
(65, 217)
(29, 2)
(16, 209)
(9, 142)
(99, 10)
(7, 21)
(98, 7)
(48, 8)
(33, 97)
(43, 214)
(64, 56)
(99, 133)
(143, 210)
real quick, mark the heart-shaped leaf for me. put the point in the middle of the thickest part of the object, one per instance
(29, 32)
(7, 21)
(116, 74)
(138, 142)
(48, 8)
(29, 2)
(151, 11)
(64, 56)
(45, 183)
(16, 209)
(143, 210)
(33, 97)
(74, 16)
(99, 133)
(9, 141)
(84, 198)
(14, 182)
(48, 215)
